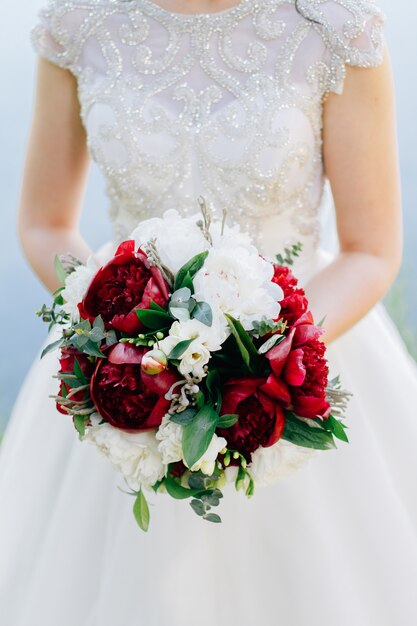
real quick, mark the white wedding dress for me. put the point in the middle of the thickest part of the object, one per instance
(227, 105)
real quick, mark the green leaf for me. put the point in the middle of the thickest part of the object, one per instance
(78, 372)
(185, 417)
(93, 350)
(213, 517)
(96, 335)
(270, 343)
(212, 497)
(337, 428)
(198, 434)
(200, 400)
(141, 511)
(189, 270)
(177, 491)
(302, 434)
(213, 388)
(244, 342)
(198, 507)
(155, 307)
(198, 480)
(111, 338)
(59, 270)
(321, 322)
(178, 350)
(154, 319)
(226, 421)
(79, 423)
(99, 323)
(52, 346)
(203, 313)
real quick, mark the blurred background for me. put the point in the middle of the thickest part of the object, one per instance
(21, 294)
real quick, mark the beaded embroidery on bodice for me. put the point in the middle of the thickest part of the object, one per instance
(225, 105)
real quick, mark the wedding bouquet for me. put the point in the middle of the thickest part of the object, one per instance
(190, 361)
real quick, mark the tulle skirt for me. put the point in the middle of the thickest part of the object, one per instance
(333, 545)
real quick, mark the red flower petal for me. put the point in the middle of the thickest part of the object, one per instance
(305, 333)
(276, 388)
(237, 390)
(279, 427)
(311, 406)
(279, 354)
(294, 370)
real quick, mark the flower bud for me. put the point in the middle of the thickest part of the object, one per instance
(154, 362)
(236, 454)
(226, 460)
(159, 335)
(243, 463)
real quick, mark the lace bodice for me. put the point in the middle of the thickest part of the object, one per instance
(226, 105)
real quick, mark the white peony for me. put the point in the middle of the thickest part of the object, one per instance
(76, 286)
(237, 281)
(205, 340)
(169, 435)
(271, 464)
(178, 238)
(135, 455)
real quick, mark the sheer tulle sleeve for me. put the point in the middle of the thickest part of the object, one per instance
(54, 35)
(352, 32)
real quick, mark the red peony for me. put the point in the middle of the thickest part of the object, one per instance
(126, 283)
(124, 396)
(67, 361)
(294, 304)
(299, 365)
(261, 418)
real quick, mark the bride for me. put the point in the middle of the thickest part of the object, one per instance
(254, 105)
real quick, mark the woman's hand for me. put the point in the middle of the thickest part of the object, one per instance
(361, 162)
(54, 175)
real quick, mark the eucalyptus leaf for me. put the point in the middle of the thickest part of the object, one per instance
(52, 346)
(213, 517)
(111, 338)
(198, 507)
(93, 350)
(141, 511)
(96, 335)
(181, 296)
(198, 480)
(198, 434)
(182, 314)
(98, 323)
(203, 313)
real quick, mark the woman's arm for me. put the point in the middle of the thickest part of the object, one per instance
(361, 162)
(54, 175)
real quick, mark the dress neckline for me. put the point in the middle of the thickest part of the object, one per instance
(231, 11)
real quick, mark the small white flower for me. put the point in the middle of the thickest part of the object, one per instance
(135, 455)
(169, 435)
(178, 238)
(207, 462)
(205, 340)
(76, 286)
(237, 281)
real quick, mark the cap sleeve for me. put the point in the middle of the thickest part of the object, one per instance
(352, 32)
(53, 36)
